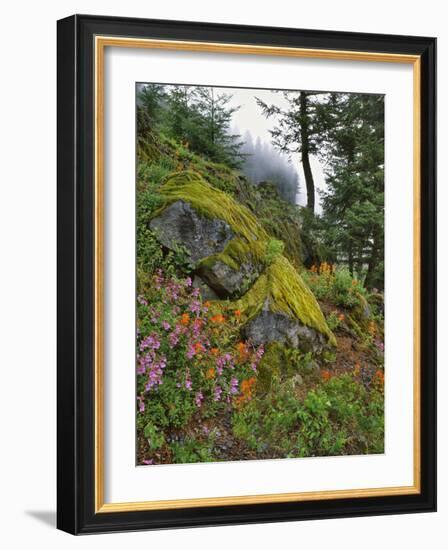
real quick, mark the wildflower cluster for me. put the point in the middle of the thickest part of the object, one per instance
(189, 352)
(247, 390)
(335, 319)
(370, 376)
(323, 268)
(334, 285)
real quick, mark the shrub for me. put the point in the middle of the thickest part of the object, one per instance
(153, 436)
(335, 285)
(339, 417)
(192, 450)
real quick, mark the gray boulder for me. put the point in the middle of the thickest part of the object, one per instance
(181, 224)
(207, 293)
(203, 237)
(269, 326)
(227, 281)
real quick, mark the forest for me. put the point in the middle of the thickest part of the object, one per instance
(260, 318)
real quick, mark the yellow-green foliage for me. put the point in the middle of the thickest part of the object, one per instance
(279, 283)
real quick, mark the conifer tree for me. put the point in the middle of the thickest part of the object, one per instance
(297, 132)
(353, 147)
(218, 142)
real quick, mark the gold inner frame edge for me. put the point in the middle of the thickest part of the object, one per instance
(101, 42)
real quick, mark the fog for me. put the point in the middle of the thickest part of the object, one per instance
(248, 120)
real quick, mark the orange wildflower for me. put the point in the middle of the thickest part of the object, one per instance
(214, 351)
(341, 317)
(218, 319)
(247, 388)
(207, 304)
(237, 313)
(242, 350)
(325, 375)
(379, 377)
(198, 347)
(239, 401)
(247, 385)
(210, 373)
(185, 319)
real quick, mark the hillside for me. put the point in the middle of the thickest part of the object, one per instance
(249, 353)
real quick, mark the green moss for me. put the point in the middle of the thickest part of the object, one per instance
(273, 248)
(236, 252)
(270, 368)
(286, 293)
(251, 241)
(191, 187)
(279, 283)
(158, 154)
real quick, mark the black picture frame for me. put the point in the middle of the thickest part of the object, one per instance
(76, 254)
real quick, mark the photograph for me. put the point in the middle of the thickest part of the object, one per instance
(259, 274)
(220, 268)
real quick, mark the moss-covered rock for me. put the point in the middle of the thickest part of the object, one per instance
(203, 219)
(237, 258)
(227, 280)
(280, 307)
(213, 203)
(207, 292)
(180, 224)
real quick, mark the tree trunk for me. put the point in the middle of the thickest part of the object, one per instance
(212, 136)
(371, 264)
(304, 134)
(350, 259)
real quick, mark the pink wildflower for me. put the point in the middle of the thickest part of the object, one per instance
(217, 393)
(199, 397)
(233, 386)
(141, 403)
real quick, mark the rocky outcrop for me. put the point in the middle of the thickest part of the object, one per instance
(228, 281)
(207, 292)
(268, 326)
(204, 238)
(234, 258)
(181, 224)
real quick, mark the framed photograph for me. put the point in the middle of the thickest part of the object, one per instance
(246, 274)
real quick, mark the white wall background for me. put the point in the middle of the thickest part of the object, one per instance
(27, 273)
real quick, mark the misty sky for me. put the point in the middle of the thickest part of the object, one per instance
(249, 118)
